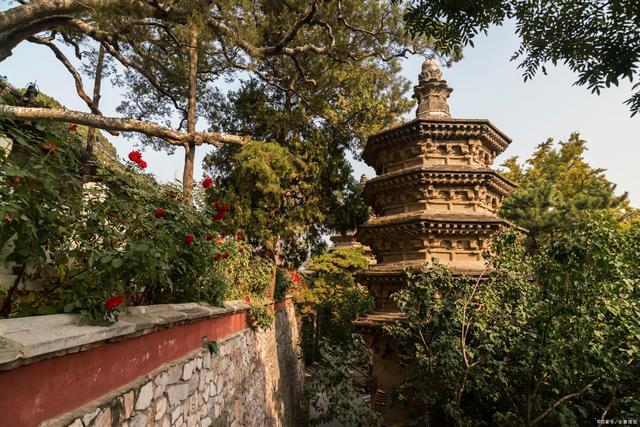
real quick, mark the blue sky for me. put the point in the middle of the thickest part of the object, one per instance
(486, 85)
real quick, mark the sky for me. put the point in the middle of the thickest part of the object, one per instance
(486, 85)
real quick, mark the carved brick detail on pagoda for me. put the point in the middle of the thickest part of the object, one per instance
(435, 198)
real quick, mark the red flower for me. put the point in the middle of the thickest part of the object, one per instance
(216, 205)
(225, 255)
(49, 146)
(218, 256)
(73, 127)
(135, 156)
(239, 237)
(113, 302)
(159, 213)
(219, 242)
(240, 249)
(296, 278)
(206, 183)
(142, 164)
(209, 237)
(247, 298)
(188, 239)
(219, 216)
(270, 254)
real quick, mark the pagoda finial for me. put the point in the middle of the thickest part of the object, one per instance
(432, 92)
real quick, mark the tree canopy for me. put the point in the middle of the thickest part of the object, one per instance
(172, 57)
(557, 188)
(598, 40)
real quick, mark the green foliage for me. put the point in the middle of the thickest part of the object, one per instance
(256, 188)
(597, 40)
(556, 189)
(79, 245)
(550, 339)
(337, 384)
(331, 300)
(260, 314)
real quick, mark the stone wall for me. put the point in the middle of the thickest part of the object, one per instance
(254, 379)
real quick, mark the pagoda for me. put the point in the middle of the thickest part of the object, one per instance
(435, 197)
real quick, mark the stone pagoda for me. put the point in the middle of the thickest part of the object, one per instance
(434, 197)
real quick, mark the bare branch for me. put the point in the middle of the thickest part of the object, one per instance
(74, 73)
(118, 124)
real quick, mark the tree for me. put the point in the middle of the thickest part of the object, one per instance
(557, 189)
(316, 127)
(168, 70)
(550, 339)
(598, 40)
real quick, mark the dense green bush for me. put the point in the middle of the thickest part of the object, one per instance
(551, 339)
(123, 234)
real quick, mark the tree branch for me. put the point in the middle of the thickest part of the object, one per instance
(118, 124)
(563, 399)
(74, 73)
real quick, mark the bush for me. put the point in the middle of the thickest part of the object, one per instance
(552, 339)
(124, 235)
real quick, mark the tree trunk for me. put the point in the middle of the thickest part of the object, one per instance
(89, 167)
(190, 148)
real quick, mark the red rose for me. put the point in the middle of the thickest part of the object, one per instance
(216, 205)
(218, 256)
(219, 242)
(247, 298)
(206, 183)
(113, 302)
(73, 127)
(142, 164)
(239, 237)
(224, 207)
(270, 254)
(219, 216)
(159, 213)
(209, 237)
(225, 255)
(188, 239)
(135, 156)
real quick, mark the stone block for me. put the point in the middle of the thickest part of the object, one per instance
(206, 422)
(145, 396)
(177, 393)
(174, 374)
(206, 360)
(87, 418)
(103, 419)
(161, 408)
(187, 370)
(160, 384)
(127, 400)
(175, 414)
(76, 423)
(139, 420)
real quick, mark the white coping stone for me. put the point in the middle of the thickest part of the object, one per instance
(41, 335)
(27, 337)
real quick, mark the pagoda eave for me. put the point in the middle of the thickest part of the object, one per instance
(436, 128)
(418, 177)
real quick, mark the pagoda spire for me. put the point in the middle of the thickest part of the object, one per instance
(432, 92)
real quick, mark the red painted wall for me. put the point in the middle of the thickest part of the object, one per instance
(49, 388)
